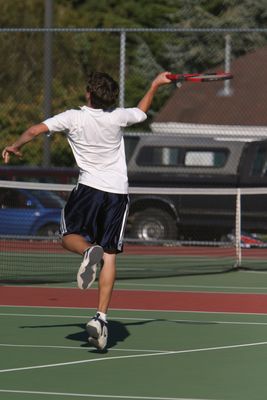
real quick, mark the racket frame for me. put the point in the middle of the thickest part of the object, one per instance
(200, 77)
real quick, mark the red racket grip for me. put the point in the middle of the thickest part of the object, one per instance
(173, 77)
(181, 77)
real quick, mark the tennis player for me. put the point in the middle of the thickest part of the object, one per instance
(94, 217)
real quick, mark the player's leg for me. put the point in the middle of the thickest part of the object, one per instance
(80, 211)
(106, 281)
(110, 235)
(92, 255)
(97, 326)
(75, 243)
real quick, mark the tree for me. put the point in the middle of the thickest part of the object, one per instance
(75, 54)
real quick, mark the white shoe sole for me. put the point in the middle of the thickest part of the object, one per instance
(97, 337)
(87, 272)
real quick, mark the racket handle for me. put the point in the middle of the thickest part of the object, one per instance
(173, 77)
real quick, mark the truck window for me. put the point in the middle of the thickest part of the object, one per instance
(200, 158)
(259, 166)
(158, 156)
(177, 156)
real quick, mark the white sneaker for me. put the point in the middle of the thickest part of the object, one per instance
(97, 330)
(87, 271)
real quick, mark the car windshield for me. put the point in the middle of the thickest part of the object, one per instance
(48, 199)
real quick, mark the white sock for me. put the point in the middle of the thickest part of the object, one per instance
(102, 315)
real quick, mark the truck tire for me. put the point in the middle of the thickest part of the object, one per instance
(153, 224)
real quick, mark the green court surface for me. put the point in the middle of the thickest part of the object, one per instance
(49, 267)
(151, 354)
(229, 282)
(46, 261)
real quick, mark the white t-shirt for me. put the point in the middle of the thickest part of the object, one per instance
(97, 143)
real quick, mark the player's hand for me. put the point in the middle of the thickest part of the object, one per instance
(161, 79)
(8, 151)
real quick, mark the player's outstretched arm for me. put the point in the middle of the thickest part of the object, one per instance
(146, 101)
(26, 137)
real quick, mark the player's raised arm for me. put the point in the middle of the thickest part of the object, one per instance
(25, 137)
(146, 101)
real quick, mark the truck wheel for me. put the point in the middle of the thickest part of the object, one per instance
(153, 224)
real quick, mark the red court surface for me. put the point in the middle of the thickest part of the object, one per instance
(56, 247)
(135, 299)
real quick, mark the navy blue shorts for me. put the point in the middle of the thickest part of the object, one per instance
(99, 216)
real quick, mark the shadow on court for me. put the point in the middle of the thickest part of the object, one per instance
(118, 331)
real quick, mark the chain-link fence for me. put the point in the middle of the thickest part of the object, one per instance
(43, 72)
(186, 163)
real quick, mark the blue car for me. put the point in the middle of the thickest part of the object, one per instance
(25, 212)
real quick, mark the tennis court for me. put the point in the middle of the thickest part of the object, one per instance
(188, 317)
(187, 337)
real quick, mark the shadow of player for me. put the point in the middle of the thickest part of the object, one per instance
(118, 331)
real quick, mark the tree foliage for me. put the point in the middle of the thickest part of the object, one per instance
(75, 54)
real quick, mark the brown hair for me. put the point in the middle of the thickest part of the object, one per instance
(103, 90)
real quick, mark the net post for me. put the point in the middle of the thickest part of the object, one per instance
(238, 229)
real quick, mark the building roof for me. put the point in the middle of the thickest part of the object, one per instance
(203, 103)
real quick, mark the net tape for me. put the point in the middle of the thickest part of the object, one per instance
(140, 190)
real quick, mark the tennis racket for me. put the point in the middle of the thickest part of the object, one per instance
(196, 78)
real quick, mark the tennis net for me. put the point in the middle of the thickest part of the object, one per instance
(170, 232)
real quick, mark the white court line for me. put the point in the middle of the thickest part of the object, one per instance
(166, 353)
(255, 272)
(134, 319)
(138, 310)
(103, 396)
(46, 315)
(37, 346)
(192, 286)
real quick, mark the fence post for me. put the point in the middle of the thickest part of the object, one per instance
(122, 67)
(228, 50)
(47, 77)
(227, 90)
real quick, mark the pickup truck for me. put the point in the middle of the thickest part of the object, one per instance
(171, 161)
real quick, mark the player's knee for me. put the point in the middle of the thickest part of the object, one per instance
(63, 242)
